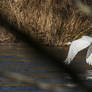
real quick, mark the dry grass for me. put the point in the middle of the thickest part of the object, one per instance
(53, 22)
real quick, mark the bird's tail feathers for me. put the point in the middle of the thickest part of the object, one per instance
(67, 61)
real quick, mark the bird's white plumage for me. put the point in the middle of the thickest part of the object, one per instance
(89, 55)
(78, 45)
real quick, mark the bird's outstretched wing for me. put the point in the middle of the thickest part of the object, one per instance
(75, 47)
(89, 55)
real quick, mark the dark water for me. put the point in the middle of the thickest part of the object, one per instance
(20, 59)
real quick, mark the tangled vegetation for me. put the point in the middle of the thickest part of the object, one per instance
(53, 22)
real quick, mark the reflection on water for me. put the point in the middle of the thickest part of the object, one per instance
(20, 59)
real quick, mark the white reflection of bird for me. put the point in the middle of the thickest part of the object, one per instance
(78, 45)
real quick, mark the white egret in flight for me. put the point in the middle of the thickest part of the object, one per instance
(78, 45)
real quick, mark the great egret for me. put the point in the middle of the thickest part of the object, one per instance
(78, 45)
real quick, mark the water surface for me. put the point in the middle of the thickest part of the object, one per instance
(22, 59)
